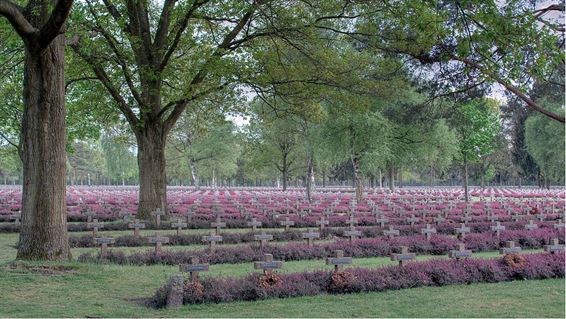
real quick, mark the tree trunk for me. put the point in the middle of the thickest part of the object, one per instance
(323, 178)
(358, 179)
(43, 233)
(285, 172)
(310, 176)
(391, 181)
(151, 162)
(380, 179)
(431, 180)
(465, 179)
(194, 175)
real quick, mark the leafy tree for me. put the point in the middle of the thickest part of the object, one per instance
(469, 43)
(213, 151)
(545, 143)
(158, 60)
(477, 123)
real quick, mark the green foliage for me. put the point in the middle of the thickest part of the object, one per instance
(477, 123)
(545, 143)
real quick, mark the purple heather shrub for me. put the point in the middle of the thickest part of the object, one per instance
(415, 274)
(439, 244)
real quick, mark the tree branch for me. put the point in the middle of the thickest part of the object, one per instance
(54, 26)
(105, 80)
(531, 103)
(14, 14)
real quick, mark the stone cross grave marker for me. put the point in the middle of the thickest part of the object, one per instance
(516, 217)
(287, 223)
(462, 231)
(218, 225)
(136, 225)
(381, 220)
(16, 218)
(541, 217)
(493, 218)
(126, 217)
(510, 248)
(438, 219)
(531, 225)
(459, 252)
(403, 257)
(322, 223)
(103, 242)
(310, 237)
(254, 224)
(89, 215)
(554, 247)
(263, 238)
(497, 228)
(158, 241)
(189, 216)
(428, 231)
(212, 239)
(352, 233)
(391, 232)
(338, 261)
(193, 268)
(559, 224)
(328, 211)
(179, 225)
(352, 221)
(95, 225)
(412, 220)
(157, 215)
(466, 218)
(268, 265)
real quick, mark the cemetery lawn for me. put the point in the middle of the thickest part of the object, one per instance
(119, 291)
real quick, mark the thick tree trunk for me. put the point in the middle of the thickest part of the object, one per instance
(323, 178)
(43, 233)
(359, 183)
(151, 162)
(465, 179)
(380, 179)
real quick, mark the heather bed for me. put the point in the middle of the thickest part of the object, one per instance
(438, 245)
(478, 222)
(354, 280)
(294, 235)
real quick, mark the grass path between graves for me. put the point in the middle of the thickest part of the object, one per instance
(116, 291)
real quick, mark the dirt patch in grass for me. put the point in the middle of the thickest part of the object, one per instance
(46, 270)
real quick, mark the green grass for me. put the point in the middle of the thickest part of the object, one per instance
(116, 291)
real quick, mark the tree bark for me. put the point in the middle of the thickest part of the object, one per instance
(43, 233)
(391, 174)
(194, 175)
(285, 172)
(310, 176)
(359, 186)
(465, 179)
(153, 178)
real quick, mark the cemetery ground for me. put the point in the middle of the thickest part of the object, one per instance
(76, 289)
